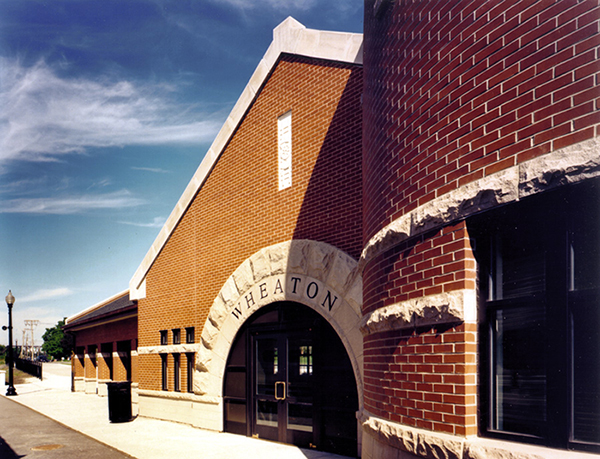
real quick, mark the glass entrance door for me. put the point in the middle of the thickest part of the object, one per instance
(283, 387)
(288, 378)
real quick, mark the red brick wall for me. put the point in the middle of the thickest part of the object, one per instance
(239, 209)
(458, 90)
(425, 379)
(435, 262)
(113, 332)
(455, 91)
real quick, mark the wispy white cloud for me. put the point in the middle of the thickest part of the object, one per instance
(152, 169)
(65, 205)
(43, 116)
(46, 294)
(158, 222)
(276, 4)
(296, 5)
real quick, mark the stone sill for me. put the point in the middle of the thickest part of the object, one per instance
(428, 444)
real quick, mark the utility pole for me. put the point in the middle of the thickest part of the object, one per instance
(30, 326)
(23, 345)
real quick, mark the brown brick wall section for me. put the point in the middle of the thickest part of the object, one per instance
(239, 209)
(428, 378)
(425, 379)
(436, 262)
(455, 91)
(113, 332)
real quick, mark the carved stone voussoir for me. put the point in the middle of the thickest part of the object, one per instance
(320, 259)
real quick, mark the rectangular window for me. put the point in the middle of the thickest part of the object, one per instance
(164, 338)
(176, 373)
(190, 335)
(190, 372)
(540, 273)
(165, 372)
(176, 336)
(284, 139)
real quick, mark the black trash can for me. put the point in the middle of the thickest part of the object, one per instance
(119, 401)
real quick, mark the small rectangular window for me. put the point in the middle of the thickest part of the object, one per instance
(176, 336)
(176, 373)
(165, 374)
(190, 335)
(163, 337)
(190, 372)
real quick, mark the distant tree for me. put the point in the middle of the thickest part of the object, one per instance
(57, 344)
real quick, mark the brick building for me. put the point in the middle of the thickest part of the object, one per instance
(105, 345)
(395, 256)
(480, 226)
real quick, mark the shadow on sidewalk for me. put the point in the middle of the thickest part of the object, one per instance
(6, 451)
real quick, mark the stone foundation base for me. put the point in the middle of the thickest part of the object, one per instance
(78, 384)
(383, 439)
(181, 407)
(91, 386)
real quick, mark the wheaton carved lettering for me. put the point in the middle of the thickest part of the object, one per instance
(263, 291)
(236, 312)
(328, 300)
(295, 280)
(278, 288)
(312, 291)
(315, 290)
(249, 299)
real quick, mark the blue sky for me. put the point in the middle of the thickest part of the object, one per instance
(106, 110)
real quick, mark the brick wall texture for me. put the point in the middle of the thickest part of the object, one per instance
(453, 92)
(239, 210)
(103, 337)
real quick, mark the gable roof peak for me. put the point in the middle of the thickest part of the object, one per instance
(290, 37)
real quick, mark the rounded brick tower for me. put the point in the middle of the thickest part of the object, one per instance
(480, 215)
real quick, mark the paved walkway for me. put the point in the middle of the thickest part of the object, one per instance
(26, 433)
(143, 438)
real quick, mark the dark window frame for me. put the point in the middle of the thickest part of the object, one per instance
(164, 337)
(177, 372)
(176, 335)
(164, 372)
(190, 371)
(558, 217)
(190, 335)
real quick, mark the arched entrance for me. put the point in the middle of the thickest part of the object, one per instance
(288, 378)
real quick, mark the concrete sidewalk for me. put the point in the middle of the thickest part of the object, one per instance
(145, 438)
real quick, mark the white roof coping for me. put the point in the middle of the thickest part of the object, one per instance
(289, 37)
(102, 303)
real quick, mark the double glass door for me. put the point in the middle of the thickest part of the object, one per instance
(288, 378)
(283, 387)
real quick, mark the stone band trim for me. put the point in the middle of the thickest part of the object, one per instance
(434, 445)
(168, 349)
(571, 164)
(312, 273)
(179, 396)
(444, 308)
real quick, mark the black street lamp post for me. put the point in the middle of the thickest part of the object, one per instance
(10, 300)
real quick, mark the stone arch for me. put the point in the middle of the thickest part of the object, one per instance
(312, 273)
